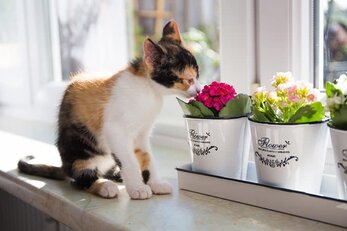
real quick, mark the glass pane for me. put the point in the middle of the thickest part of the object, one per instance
(198, 22)
(335, 38)
(9, 39)
(93, 36)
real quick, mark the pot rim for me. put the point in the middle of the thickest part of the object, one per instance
(215, 118)
(290, 124)
(336, 128)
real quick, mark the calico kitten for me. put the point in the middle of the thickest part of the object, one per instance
(104, 123)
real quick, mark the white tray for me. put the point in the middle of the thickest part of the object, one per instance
(324, 207)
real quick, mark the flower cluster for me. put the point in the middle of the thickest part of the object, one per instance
(337, 101)
(217, 100)
(216, 95)
(284, 101)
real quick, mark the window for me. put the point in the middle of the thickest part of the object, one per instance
(12, 54)
(240, 42)
(92, 36)
(334, 35)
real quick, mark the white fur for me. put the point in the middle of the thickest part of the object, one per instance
(129, 116)
(193, 89)
(102, 163)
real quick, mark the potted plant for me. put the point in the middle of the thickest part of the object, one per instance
(337, 106)
(289, 134)
(218, 132)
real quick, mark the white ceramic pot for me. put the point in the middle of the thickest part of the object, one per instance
(290, 155)
(339, 142)
(219, 146)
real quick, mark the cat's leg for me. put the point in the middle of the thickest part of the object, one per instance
(147, 164)
(122, 145)
(89, 179)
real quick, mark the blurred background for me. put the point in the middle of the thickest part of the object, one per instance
(335, 38)
(43, 43)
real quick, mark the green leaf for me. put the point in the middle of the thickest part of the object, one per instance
(330, 89)
(240, 105)
(309, 113)
(339, 119)
(205, 111)
(259, 116)
(189, 109)
(271, 114)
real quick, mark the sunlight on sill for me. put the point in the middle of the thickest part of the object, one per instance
(36, 183)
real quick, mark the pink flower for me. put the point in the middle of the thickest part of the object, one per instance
(311, 98)
(292, 89)
(216, 95)
(313, 95)
(293, 98)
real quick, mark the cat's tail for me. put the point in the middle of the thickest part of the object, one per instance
(46, 171)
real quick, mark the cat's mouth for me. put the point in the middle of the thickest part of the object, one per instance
(189, 94)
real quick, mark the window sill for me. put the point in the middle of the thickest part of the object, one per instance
(182, 210)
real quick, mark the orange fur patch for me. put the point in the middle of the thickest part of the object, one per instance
(182, 86)
(79, 165)
(175, 32)
(89, 97)
(143, 159)
(188, 77)
(142, 71)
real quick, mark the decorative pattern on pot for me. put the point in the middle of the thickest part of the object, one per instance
(337, 106)
(218, 131)
(289, 134)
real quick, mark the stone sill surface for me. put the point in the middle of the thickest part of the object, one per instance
(183, 210)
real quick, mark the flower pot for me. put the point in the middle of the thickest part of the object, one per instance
(219, 146)
(338, 139)
(290, 155)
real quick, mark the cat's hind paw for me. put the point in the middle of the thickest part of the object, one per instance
(139, 192)
(160, 188)
(105, 188)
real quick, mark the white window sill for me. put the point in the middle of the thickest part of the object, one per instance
(182, 210)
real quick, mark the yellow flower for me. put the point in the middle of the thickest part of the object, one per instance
(281, 78)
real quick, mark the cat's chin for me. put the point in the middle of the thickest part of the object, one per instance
(187, 95)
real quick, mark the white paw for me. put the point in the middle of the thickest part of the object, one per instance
(108, 189)
(139, 192)
(160, 187)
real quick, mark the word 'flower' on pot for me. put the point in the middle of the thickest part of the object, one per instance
(337, 102)
(217, 100)
(288, 102)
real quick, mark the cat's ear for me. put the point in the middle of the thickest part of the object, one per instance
(172, 32)
(152, 52)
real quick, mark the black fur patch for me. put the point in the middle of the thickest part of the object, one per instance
(165, 78)
(136, 64)
(75, 142)
(145, 176)
(114, 174)
(168, 29)
(85, 178)
(115, 158)
(40, 169)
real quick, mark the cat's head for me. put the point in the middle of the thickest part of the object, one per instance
(170, 64)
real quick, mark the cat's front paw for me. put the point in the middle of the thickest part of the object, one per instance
(139, 192)
(108, 189)
(160, 188)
